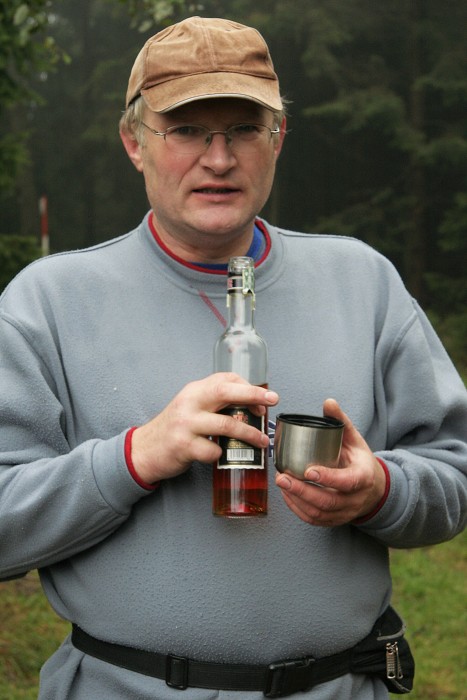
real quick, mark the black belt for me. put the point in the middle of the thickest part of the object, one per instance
(384, 653)
(275, 680)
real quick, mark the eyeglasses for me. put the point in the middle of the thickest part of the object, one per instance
(191, 139)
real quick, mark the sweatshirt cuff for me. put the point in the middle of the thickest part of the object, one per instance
(113, 478)
(382, 501)
(130, 465)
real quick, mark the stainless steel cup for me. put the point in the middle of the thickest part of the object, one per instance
(302, 440)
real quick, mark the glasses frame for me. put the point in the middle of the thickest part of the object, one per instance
(209, 134)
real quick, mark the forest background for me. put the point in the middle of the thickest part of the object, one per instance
(376, 149)
(377, 143)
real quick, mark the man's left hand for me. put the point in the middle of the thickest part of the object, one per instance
(341, 495)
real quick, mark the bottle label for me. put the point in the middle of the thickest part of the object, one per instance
(237, 454)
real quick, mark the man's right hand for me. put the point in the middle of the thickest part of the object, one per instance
(179, 435)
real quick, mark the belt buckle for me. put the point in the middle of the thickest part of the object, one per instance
(287, 677)
(176, 672)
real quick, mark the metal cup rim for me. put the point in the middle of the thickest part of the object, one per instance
(304, 420)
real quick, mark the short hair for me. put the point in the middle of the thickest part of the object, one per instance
(131, 121)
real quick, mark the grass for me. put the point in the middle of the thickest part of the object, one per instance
(29, 633)
(429, 592)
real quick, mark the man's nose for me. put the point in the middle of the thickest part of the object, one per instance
(218, 154)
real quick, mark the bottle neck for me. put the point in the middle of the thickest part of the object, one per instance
(241, 310)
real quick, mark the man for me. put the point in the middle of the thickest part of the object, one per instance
(108, 403)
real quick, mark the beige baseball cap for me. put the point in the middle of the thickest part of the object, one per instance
(201, 58)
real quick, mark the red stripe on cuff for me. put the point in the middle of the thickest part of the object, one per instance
(131, 466)
(380, 503)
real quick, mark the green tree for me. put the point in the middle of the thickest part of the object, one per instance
(15, 253)
(377, 136)
(394, 126)
(78, 159)
(25, 50)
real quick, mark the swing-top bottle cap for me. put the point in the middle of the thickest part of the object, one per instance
(241, 275)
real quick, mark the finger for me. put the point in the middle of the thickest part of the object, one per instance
(332, 408)
(323, 499)
(205, 450)
(352, 437)
(344, 480)
(311, 514)
(231, 389)
(295, 508)
(223, 424)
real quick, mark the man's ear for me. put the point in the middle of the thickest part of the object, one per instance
(133, 149)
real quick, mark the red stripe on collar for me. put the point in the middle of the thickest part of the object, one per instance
(200, 268)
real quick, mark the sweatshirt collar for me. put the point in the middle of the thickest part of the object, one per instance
(259, 249)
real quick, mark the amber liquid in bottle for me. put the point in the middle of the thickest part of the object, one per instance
(240, 477)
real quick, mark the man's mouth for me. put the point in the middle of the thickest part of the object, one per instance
(215, 190)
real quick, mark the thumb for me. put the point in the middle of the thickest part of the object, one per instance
(332, 409)
(352, 437)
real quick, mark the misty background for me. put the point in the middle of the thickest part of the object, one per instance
(377, 119)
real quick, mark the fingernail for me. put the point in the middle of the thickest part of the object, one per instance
(312, 475)
(271, 396)
(285, 483)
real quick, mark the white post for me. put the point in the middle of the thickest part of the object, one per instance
(43, 210)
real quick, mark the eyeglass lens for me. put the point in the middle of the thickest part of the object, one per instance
(195, 139)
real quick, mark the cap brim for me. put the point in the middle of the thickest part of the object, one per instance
(175, 93)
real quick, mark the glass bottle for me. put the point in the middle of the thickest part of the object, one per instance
(240, 478)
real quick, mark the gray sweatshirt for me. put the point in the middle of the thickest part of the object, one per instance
(93, 342)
